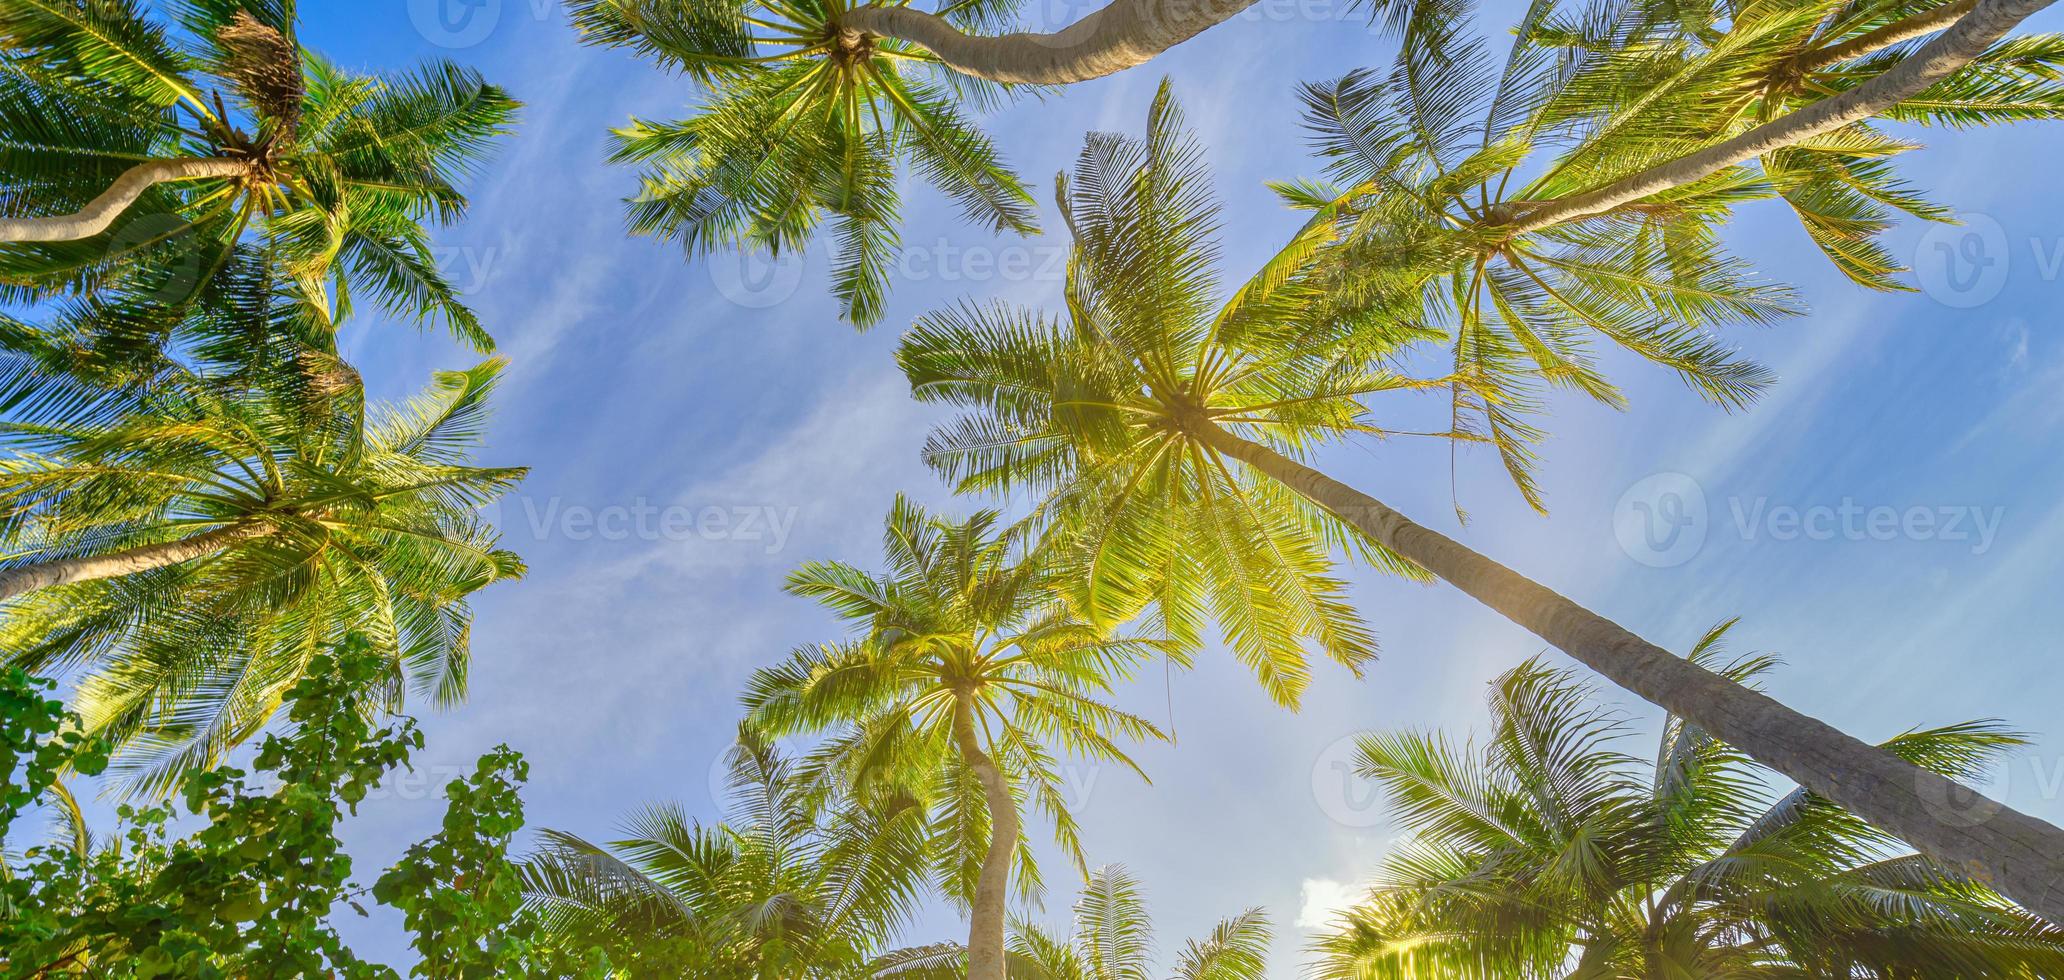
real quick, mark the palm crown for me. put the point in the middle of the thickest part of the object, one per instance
(1651, 87)
(1446, 176)
(1113, 940)
(1105, 413)
(1552, 853)
(138, 157)
(801, 123)
(794, 885)
(213, 536)
(968, 674)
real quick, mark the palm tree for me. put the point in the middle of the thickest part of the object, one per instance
(1113, 940)
(137, 157)
(1447, 177)
(969, 670)
(1676, 84)
(191, 544)
(811, 105)
(1150, 401)
(1551, 853)
(796, 885)
(1119, 35)
(803, 123)
(1856, 63)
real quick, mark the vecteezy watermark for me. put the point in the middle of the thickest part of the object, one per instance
(757, 279)
(946, 262)
(177, 268)
(465, 23)
(1661, 521)
(1049, 16)
(417, 780)
(1968, 264)
(1664, 521)
(1075, 781)
(465, 267)
(455, 23)
(1958, 805)
(1344, 797)
(642, 520)
(1965, 265)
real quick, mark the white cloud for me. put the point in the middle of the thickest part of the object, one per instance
(1323, 901)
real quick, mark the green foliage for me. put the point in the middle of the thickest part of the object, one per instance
(1436, 165)
(1108, 415)
(341, 171)
(1113, 940)
(250, 893)
(38, 745)
(358, 521)
(965, 654)
(180, 437)
(801, 124)
(1549, 846)
(460, 894)
(803, 880)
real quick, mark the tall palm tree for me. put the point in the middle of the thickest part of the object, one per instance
(1797, 83)
(1119, 35)
(810, 106)
(802, 123)
(136, 156)
(1439, 170)
(968, 672)
(795, 885)
(191, 543)
(1150, 399)
(1680, 83)
(1552, 853)
(1113, 940)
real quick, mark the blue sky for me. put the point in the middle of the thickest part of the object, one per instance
(772, 434)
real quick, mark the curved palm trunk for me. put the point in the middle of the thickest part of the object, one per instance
(986, 918)
(1116, 37)
(96, 216)
(65, 571)
(2017, 855)
(1897, 32)
(1976, 31)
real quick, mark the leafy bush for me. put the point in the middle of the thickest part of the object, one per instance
(251, 893)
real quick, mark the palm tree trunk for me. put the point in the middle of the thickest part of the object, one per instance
(103, 210)
(1116, 37)
(1976, 31)
(986, 917)
(64, 571)
(2017, 855)
(1906, 29)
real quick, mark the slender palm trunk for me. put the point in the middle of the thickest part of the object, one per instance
(1116, 37)
(2017, 855)
(1976, 31)
(1906, 29)
(986, 918)
(102, 211)
(64, 571)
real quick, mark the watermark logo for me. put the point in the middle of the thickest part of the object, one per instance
(455, 23)
(174, 268)
(526, 518)
(1662, 521)
(1963, 265)
(1345, 798)
(756, 280)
